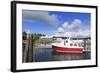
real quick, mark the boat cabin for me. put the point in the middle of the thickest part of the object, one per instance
(67, 41)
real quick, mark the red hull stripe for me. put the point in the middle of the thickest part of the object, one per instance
(68, 50)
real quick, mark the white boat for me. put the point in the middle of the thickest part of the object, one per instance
(67, 45)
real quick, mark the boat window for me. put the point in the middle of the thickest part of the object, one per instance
(66, 41)
(71, 44)
(79, 45)
(75, 44)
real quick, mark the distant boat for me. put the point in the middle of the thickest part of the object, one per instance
(67, 45)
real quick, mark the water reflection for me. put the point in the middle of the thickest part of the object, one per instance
(49, 55)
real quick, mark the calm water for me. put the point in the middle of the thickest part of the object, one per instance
(42, 55)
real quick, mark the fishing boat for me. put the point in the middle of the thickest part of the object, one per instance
(67, 45)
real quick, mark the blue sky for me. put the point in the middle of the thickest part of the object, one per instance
(50, 22)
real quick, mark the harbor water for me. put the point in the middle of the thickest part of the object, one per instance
(47, 54)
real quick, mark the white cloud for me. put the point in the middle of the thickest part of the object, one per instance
(41, 16)
(60, 30)
(76, 25)
(79, 34)
(65, 25)
(75, 29)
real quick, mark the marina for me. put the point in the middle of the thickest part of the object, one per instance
(43, 50)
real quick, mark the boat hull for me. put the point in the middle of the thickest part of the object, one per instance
(67, 50)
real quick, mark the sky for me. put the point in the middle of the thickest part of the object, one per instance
(56, 23)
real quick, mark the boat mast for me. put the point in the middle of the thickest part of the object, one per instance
(69, 38)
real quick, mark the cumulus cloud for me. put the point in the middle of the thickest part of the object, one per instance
(65, 25)
(60, 30)
(74, 29)
(41, 16)
(76, 25)
(79, 34)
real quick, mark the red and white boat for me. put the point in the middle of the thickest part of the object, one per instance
(67, 45)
